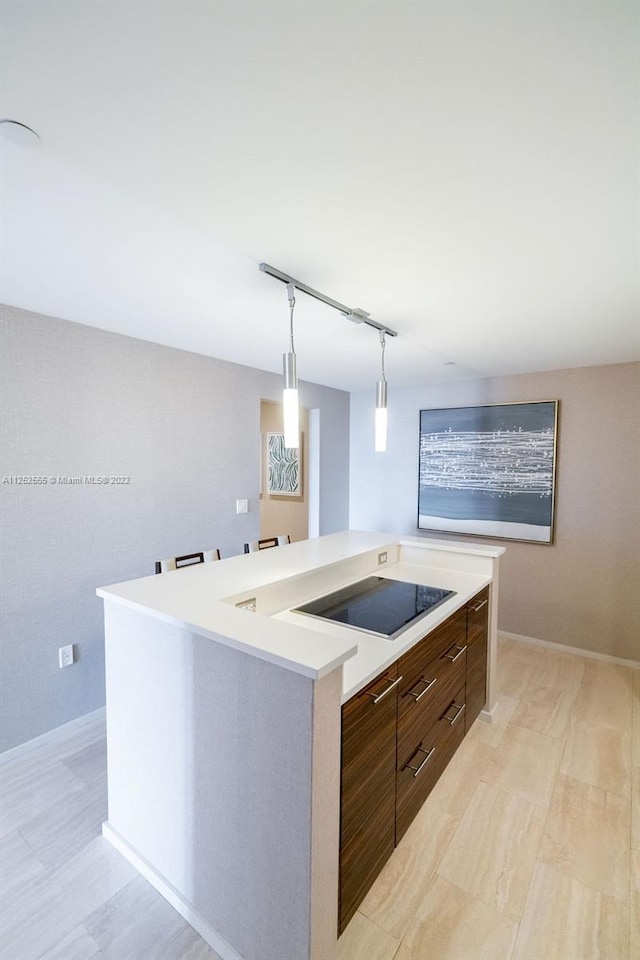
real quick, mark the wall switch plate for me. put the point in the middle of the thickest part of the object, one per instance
(382, 557)
(249, 605)
(242, 506)
(65, 656)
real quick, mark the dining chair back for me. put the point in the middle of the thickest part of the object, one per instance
(254, 545)
(187, 560)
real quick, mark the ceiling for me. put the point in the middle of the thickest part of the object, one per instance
(467, 172)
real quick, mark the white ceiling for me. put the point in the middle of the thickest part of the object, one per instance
(465, 171)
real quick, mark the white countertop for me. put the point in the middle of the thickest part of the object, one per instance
(375, 653)
(201, 598)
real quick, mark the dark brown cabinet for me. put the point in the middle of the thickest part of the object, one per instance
(367, 822)
(417, 777)
(477, 637)
(430, 705)
(398, 735)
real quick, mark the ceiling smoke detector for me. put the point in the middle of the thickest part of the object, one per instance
(19, 133)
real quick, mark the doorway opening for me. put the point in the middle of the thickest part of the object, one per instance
(280, 513)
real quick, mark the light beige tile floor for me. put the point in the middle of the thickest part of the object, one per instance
(563, 919)
(605, 695)
(365, 940)
(526, 764)
(635, 808)
(410, 869)
(544, 860)
(494, 849)
(544, 709)
(527, 849)
(65, 893)
(452, 923)
(635, 764)
(600, 755)
(588, 836)
(634, 897)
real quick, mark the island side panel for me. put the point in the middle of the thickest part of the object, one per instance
(325, 811)
(210, 760)
(492, 653)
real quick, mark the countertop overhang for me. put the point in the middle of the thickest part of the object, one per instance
(201, 599)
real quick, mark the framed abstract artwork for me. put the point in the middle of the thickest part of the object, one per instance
(489, 470)
(283, 468)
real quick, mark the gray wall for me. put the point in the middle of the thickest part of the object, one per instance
(582, 590)
(77, 401)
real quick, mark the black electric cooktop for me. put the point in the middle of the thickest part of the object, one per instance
(378, 605)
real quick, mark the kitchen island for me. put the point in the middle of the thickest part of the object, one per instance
(224, 727)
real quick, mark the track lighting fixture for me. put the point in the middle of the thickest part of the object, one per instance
(290, 393)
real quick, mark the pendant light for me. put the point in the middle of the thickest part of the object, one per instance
(290, 394)
(290, 408)
(381, 405)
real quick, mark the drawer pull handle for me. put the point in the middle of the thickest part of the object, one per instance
(459, 707)
(479, 607)
(453, 658)
(420, 766)
(377, 698)
(419, 696)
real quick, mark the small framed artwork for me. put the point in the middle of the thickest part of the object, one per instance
(489, 470)
(283, 468)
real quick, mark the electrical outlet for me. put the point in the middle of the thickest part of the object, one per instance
(65, 656)
(249, 605)
(382, 557)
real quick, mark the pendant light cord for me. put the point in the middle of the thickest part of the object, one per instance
(383, 345)
(292, 303)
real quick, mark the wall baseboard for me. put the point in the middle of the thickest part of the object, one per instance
(487, 715)
(169, 892)
(565, 648)
(51, 736)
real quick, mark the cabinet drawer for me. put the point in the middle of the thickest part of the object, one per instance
(421, 771)
(423, 703)
(413, 663)
(478, 616)
(477, 635)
